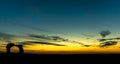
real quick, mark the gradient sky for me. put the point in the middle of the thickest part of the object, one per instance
(71, 17)
(68, 16)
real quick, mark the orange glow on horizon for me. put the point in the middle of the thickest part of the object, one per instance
(70, 49)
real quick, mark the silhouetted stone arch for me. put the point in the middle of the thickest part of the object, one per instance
(10, 45)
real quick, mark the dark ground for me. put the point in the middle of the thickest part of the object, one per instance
(58, 59)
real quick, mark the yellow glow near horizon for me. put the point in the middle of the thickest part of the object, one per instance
(70, 48)
(67, 49)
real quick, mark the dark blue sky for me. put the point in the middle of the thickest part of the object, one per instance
(67, 16)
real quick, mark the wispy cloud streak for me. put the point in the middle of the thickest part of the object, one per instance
(37, 42)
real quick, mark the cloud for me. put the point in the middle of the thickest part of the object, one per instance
(38, 36)
(55, 38)
(58, 38)
(6, 36)
(9, 37)
(101, 40)
(24, 43)
(108, 43)
(37, 42)
(104, 33)
(118, 38)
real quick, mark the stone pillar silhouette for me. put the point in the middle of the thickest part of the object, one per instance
(10, 45)
(21, 51)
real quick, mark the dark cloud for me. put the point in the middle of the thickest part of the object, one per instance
(108, 43)
(118, 38)
(101, 40)
(38, 36)
(58, 38)
(9, 37)
(34, 42)
(81, 44)
(55, 38)
(24, 43)
(104, 33)
(37, 42)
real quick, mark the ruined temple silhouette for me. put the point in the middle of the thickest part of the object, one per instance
(10, 45)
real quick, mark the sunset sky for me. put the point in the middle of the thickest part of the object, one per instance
(72, 20)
